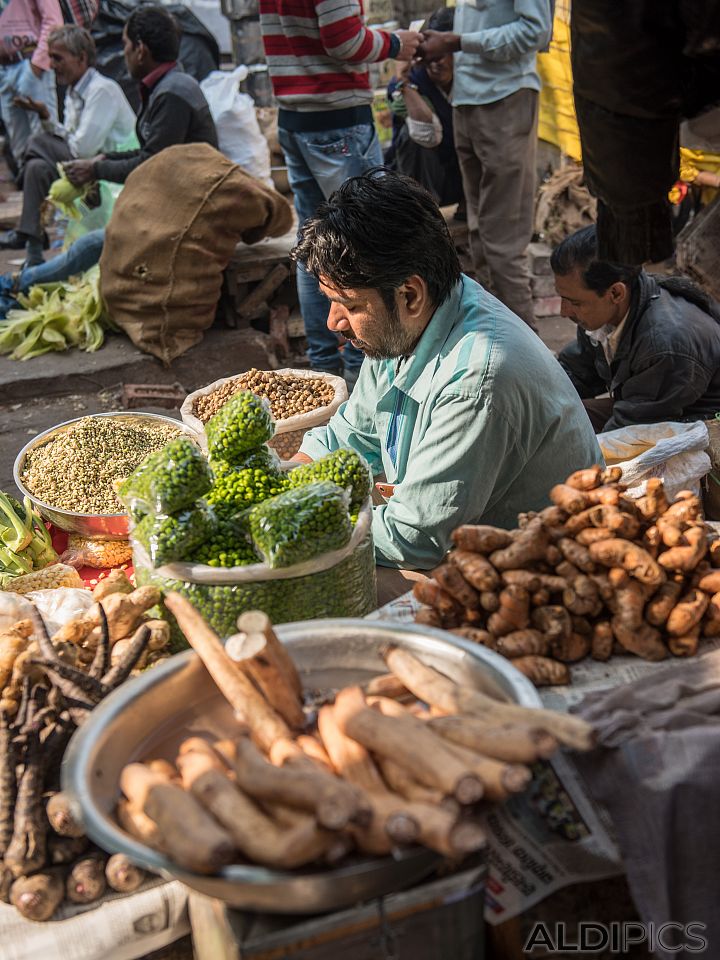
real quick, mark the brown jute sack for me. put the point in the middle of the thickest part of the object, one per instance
(172, 232)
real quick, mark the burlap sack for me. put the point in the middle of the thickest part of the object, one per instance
(172, 232)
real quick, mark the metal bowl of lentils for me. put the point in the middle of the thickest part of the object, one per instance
(69, 471)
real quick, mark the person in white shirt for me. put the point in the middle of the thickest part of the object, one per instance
(97, 119)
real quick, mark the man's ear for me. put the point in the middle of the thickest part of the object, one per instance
(617, 292)
(414, 292)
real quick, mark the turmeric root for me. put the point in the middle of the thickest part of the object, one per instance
(454, 583)
(632, 558)
(655, 502)
(513, 613)
(581, 596)
(528, 545)
(644, 641)
(687, 613)
(586, 479)
(710, 582)
(685, 556)
(576, 554)
(686, 645)
(521, 643)
(569, 498)
(480, 539)
(601, 644)
(534, 581)
(592, 535)
(476, 569)
(482, 637)
(542, 671)
(431, 593)
(621, 524)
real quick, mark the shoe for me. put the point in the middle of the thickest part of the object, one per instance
(32, 260)
(12, 240)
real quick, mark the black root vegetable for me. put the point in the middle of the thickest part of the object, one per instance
(122, 875)
(86, 881)
(38, 897)
(8, 783)
(63, 816)
(27, 848)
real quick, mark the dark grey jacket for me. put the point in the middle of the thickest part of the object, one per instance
(667, 364)
(176, 112)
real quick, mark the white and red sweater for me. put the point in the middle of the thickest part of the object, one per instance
(316, 52)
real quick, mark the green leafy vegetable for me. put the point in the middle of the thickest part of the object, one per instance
(55, 317)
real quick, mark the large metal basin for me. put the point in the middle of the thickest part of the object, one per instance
(149, 717)
(105, 526)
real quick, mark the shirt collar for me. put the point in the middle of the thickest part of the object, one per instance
(416, 373)
(80, 88)
(154, 77)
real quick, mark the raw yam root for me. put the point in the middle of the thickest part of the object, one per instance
(594, 574)
(375, 775)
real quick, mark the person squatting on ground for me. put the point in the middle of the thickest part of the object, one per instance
(652, 343)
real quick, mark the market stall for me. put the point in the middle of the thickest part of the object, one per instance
(306, 768)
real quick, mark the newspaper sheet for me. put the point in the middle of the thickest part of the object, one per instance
(118, 927)
(554, 835)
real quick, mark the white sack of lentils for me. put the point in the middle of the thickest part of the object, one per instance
(296, 425)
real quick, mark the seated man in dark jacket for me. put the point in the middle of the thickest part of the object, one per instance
(174, 109)
(652, 343)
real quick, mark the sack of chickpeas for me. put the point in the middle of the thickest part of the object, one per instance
(299, 400)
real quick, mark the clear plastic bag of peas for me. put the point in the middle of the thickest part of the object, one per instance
(300, 524)
(339, 583)
(169, 480)
(166, 539)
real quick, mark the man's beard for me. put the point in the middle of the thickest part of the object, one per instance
(390, 340)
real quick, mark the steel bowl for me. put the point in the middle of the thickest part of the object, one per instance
(149, 717)
(105, 526)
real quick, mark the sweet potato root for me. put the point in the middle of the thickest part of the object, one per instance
(632, 558)
(513, 612)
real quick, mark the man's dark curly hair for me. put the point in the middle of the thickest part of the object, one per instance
(157, 28)
(375, 232)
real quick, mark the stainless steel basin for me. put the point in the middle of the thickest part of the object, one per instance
(149, 716)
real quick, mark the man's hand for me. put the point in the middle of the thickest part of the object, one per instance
(409, 40)
(301, 458)
(38, 71)
(32, 106)
(436, 44)
(80, 172)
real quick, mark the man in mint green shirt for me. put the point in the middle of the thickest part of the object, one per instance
(458, 405)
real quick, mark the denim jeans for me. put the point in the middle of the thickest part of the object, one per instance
(78, 258)
(318, 163)
(17, 79)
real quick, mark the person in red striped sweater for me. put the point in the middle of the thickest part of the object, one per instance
(317, 53)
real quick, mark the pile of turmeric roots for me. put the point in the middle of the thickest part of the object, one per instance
(404, 760)
(594, 574)
(49, 686)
